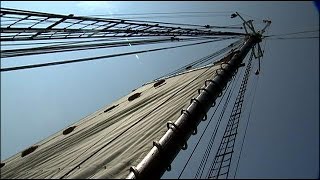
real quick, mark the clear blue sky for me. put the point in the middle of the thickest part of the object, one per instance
(283, 136)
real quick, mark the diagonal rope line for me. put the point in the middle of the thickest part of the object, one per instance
(300, 32)
(110, 27)
(96, 58)
(203, 60)
(204, 130)
(229, 135)
(130, 126)
(209, 147)
(73, 47)
(284, 38)
(213, 136)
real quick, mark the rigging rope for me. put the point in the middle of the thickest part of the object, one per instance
(300, 32)
(195, 25)
(134, 124)
(93, 27)
(205, 129)
(284, 38)
(214, 133)
(221, 163)
(184, 14)
(251, 16)
(66, 48)
(53, 42)
(187, 12)
(97, 57)
(168, 16)
(210, 144)
(205, 59)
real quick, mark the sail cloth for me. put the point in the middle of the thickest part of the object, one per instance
(106, 143)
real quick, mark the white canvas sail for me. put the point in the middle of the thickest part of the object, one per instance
(109, 141)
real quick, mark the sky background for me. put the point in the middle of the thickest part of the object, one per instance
(282, 140)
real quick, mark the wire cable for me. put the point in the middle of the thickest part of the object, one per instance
(285, 38)
(251, 16)
(225, 150)
(73, 47)
(134, 124)
(67, 41)
(157, 13)
(213, 136)
(204, 59)
(300, 32)
(96, 58)
(212, 139)
(204, 131)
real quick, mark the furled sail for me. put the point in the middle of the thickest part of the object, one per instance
(106, 143)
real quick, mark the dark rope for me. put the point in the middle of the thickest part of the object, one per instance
(203, 132)
(232, 125)
(204, 59)
(66, 48)
(214, 133)
(127, 128)
(96, 58)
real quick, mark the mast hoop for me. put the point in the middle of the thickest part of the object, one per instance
(184, 146)
(223, 68)
(168, 168)
(203, 89)
(214, 103)
(158, 145)
(184, 111)
(135, 171)
(201, 106)
(235, 72)
(195, 131)
(213, 82)
(170, 124)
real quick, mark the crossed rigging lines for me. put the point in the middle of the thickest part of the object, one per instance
(95, 58)
(27, 25)
(76, 46)
(20, 25)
